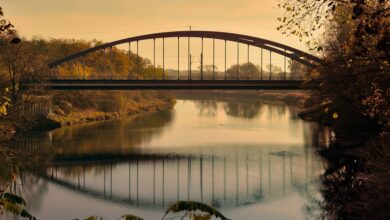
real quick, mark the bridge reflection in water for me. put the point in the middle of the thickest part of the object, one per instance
(221, 179)
(144, 164)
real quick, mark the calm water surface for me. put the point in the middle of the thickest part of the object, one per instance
(248, 159)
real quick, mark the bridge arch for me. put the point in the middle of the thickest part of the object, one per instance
(275, 47)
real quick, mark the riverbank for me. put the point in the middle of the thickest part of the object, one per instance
(90, 115)
(356, 183)
(68, 113)
(7, 131)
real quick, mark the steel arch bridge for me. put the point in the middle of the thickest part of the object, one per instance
(260, 80)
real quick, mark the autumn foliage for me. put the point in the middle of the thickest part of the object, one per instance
(354, 43)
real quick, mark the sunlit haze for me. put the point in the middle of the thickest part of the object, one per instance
(116, 19)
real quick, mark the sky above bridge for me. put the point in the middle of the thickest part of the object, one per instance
(116, 19)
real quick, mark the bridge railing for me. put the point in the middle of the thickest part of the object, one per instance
(132, 78)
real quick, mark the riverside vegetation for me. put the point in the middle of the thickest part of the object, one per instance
(354, 99)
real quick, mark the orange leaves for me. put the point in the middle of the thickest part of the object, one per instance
(5, 26)
(377, 104)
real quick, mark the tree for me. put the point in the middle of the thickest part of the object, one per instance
(304, 18)
(297, 69)
(355, 49)
(243, 71)
(273, 71)
(22, 65)
(7, 35)
(354, 88)
(249, 71)
(7, 29)
(208, 71)
(233, 72)
(14, 204)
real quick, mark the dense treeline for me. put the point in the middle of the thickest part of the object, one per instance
(354, 98)
(245, 71)
(110, 63)
(355, 46)
(357, 79)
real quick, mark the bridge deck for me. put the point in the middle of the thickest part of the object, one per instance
(113, 84)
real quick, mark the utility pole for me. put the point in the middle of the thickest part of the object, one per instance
(189, 55)
(201, 66)
(201, 62)
(190, 62)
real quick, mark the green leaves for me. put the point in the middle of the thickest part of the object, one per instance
(26, 214)
(190, 207)
(15, 204)
(192, 210)
(303, 18)
(4, 102)
(124, 217)
(93, 218)
(5, 26)
(12, 198)
(131, 217)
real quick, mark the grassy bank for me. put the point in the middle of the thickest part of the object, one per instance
(70, 108)
(66, 113)
(288, 97)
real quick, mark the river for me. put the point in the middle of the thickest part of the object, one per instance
(247, 158)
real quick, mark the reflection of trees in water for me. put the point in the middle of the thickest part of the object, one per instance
(34, 191)
(235, 109)
(207, 107)
(121, 135)
(20, 158)
(275, 110)
(154, 120)
(29, 153)
(341, 187)
(321, 138)
(243, 109)
(294, 111)
(255, 109)
(76, 170)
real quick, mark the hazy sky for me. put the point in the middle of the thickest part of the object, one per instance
(114, 19)
(109, 20)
